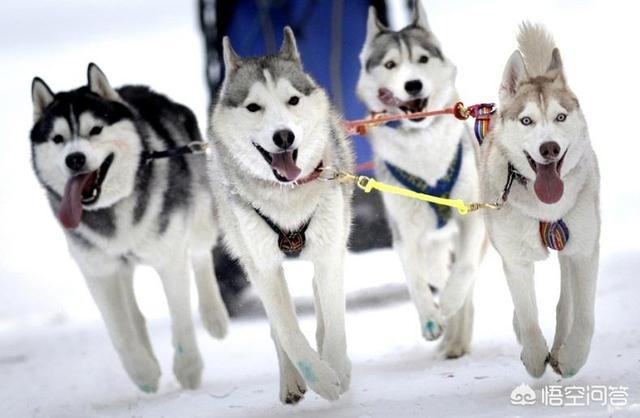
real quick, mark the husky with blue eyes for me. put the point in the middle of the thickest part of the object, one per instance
(94, 152)
(273, 133)
(404, 72)
(539, 158)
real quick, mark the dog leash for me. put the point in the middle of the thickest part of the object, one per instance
(195, 147)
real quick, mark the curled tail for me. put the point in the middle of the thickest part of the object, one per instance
(536, 46)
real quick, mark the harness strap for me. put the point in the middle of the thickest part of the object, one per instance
(442, 188)
(195, 147)
(291, 243)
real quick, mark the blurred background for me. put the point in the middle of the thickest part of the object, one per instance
(55, 357)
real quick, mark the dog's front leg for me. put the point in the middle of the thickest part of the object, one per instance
(534, 347)
(467, 258)
(329, 285)
(564, 309)
(270, 285)
(572, 355)
(187, 363)
(113, 294)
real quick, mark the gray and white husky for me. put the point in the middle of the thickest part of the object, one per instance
(272, 132)
(92, 151)
(405, 72)
(539, 141)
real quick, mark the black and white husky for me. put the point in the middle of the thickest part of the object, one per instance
(406, 72)
(92, 151)
(273, 131)
(539, 144)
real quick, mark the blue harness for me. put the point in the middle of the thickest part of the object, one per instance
(442, 187)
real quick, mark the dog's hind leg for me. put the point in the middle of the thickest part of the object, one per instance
(212, 309)
(572, 355)
(272, 289)
(113, 293)
(329, 283)
(457, 335)
(187, 363)
(564, 314)
(534, 347)
(292, 385)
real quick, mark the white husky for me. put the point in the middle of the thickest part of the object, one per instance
(405, 71)
(272, 132)
(539, 141)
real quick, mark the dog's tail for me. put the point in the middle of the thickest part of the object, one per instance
(536, 46)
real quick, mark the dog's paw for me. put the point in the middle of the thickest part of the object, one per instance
(535, 358)
(431, 329)
(456, 349)
(321, 378)
(292, 389)
(343, 369)
(567, 362)
(143, 369)
(188, 366)
(215, 321)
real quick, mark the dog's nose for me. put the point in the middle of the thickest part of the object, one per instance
(283, 138)
(413, 87)
(550, 150)
(75, 161)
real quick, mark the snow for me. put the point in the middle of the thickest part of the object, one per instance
(56, 359)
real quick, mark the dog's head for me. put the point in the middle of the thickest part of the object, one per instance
(542, 130)
(404, 71)
(85, 146)
(270, 115)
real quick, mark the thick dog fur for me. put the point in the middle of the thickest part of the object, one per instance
(158, 213)
(533, 96)
(425, 149)
(256, 100)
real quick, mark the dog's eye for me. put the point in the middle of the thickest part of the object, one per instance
(389, 65)
(561, 117)
(294, 100)
(58, 139)
(526, 121)
(423, 59)
(95, 130)
(252, 107)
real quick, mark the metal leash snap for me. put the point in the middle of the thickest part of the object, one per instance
(198, 147)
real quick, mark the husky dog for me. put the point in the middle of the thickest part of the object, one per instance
(272, 133)
(406, 72)
(539, 142)
(92, 151)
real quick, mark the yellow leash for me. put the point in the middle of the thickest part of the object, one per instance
(367, 184)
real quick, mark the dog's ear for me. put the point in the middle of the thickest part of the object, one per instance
(289, 48)
(556, 69)
(41, 95)
(514, 73)
(230, 57)
(98, 83)
(420, 15)
(374, 26)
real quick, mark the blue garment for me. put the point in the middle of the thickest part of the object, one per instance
(442, 188)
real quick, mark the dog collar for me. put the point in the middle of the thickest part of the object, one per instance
(291, 243)
(554, 235)
(314, 175)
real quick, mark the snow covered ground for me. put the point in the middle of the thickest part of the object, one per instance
(55, 357)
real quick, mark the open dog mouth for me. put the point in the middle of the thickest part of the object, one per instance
(548, 185)
(82, 190)
(283, 164)
(407, 107)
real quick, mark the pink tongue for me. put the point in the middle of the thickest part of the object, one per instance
(285, 166)
(548, 185)
(70, 212)
(387, 97)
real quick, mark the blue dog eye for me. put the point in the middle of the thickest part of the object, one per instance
(526, 121)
